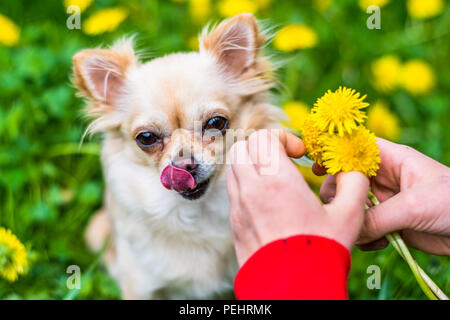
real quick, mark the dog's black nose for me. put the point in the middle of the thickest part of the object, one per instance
(186, 164)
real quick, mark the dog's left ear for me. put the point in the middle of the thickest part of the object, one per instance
(234, 43)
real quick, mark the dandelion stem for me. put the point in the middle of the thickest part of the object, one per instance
(406, 255)
(431, 290)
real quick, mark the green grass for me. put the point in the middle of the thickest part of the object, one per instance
(48, 189)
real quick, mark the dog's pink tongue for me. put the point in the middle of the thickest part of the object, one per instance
(178, 179)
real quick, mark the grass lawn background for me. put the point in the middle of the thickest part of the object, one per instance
(49, 189)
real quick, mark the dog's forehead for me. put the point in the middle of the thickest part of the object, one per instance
(178, 87)
(177, 77)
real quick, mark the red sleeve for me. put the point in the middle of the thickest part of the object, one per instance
(299, 267)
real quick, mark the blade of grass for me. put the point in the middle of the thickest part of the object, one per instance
(73, 294)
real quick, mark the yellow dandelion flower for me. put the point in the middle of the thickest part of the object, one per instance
(383, 122)
(10, 32)
(310, 136)
(340, 110)
(229, 8)
(423, 9)
(297, 112)
(386, 72)
(13, 256)
(295, 36)
(417, 77)
(105, 20)
(82, 4)
(200, 10)
(354, 152)
(364, 4)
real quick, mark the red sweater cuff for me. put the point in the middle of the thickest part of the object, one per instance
(299, 267)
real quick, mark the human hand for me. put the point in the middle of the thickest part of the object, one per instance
(414, 191)
(268, 207)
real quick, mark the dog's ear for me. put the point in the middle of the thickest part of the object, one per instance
(234, 43)
(100, 74)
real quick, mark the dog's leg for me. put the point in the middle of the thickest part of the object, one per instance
(97, 232)
(99, 228)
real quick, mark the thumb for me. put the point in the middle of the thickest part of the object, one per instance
(391, 215)
(347, 208)
(352, 189)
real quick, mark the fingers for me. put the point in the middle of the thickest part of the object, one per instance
(347, 208)
(426, 242)
(393, 157)
(433, 244)
(328, 189)
(293, 145)
(375, 245)
(269, 149)
(264, 149)
(352, 189)
(241, 163)
(390, 215)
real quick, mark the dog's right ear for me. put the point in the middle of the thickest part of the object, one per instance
(100, 74)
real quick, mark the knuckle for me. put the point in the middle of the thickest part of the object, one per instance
(407, 150)
(411, 166)
(415, 208)
(412, 202)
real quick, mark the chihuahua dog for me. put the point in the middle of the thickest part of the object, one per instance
(166, 125)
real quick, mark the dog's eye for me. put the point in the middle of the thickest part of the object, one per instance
(218, 123)
(147, 139)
